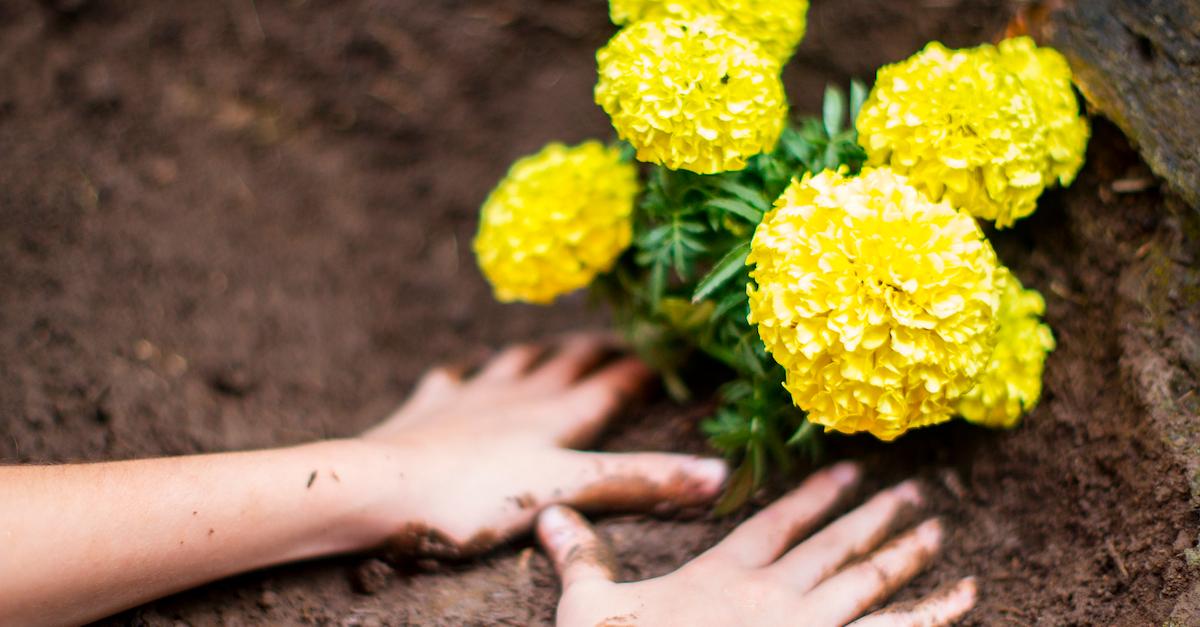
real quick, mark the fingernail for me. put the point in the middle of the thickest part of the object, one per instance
(968, 590)
(711, 473)
(555, 524)
(930, 532)
(845, 472)
(909, 491)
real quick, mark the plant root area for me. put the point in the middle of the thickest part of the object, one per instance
(248, 223)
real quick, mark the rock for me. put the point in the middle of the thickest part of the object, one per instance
(1138, 63)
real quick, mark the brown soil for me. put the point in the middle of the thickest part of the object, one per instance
(239, 224)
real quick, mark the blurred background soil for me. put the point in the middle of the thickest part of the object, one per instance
(247, 223)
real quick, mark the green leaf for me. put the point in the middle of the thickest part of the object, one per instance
(831, 157)
(627, 151)
(744, 350)
(739, 209)
(756, 453)
(726, 304)
(727, 268)
(675, 386)
(658, 282)
(834, 109)
(795, 145)
(728, 431)
(654, 236)
(751, 196)
(858, 95)
(806, 431)
(737, 491)
(778, 450)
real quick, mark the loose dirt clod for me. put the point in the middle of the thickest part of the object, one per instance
(371, 576)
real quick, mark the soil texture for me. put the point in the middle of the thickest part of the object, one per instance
(247, 223)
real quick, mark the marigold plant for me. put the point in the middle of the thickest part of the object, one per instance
(690, 94)
(559, 218)
(827, 295)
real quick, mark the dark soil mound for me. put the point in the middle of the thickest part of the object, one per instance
(239, 224)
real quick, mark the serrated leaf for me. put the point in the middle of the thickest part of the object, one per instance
(727, 432)
(736, 390)
(737, 208)
(654, 236)
(727, 268)
(833, 108)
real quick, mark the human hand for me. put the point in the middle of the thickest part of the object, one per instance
(479, 457)
(752, 578)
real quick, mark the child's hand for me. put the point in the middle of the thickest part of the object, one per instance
(752, 578)
(477, 458)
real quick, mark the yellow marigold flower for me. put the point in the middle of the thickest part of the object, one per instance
(879, 303)
(559, 218)
(691, 95)
(1046, 75)
(1012, 381)
(962, 128)
(777, 25)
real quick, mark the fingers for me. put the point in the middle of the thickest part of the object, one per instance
(436, 386)
(577, 552)
(510, 363)
(438, 383)
(588, 406)
(641, 481)
(849, 536)
(761, 539)
(846, 595)
(943, 607)
(576, 355)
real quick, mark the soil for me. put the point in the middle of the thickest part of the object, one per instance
(238, 224)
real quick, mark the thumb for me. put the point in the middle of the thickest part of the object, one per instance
(577, 552)
(659, 482)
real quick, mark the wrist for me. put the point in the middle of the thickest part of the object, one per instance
(370, 491)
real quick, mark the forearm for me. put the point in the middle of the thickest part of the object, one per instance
(84, 541)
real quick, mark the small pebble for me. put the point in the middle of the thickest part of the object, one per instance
(371, 576)
(268, 599)
(144, 350)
